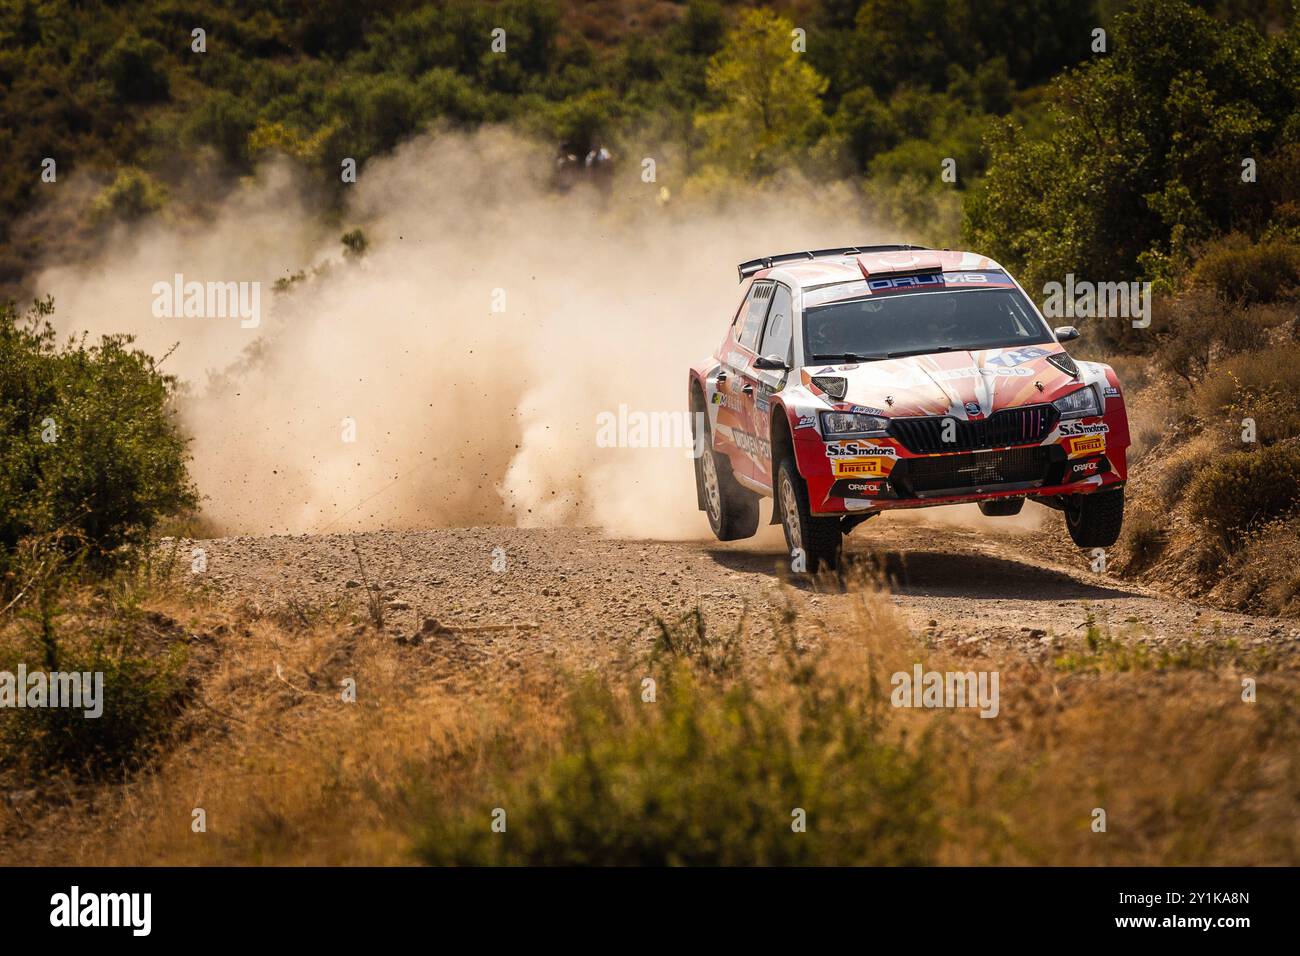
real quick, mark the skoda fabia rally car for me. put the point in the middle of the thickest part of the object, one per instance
(858, 379)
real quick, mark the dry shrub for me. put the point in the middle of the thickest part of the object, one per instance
(1262, 574)
(1145, 535)
(1234, 493)
(1201, 327)
(1264, 386)
(1241, 271)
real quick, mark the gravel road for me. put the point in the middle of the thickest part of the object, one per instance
(503, 595)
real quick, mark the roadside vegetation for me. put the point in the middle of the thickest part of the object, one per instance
(711, 764)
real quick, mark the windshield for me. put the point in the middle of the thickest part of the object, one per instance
(886, 326)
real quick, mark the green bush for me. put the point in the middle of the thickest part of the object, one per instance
(224, 122)
(710, 773)
(1233, 493)
(90, 450)
(137, 69)
(132, 195)
(141, 696)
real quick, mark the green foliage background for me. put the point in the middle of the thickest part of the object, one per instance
(1068, 159)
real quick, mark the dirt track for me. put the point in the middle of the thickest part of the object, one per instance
(575, 591)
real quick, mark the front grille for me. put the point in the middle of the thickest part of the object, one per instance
(973, 470)
(1013, 426)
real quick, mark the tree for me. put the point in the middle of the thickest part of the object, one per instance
(1144, 160)
(770, 99)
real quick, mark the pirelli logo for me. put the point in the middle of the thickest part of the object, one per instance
(875, 467)
(1087, 445)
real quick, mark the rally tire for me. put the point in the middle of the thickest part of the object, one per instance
(1094, 520)
(819, 538)
(731, 507)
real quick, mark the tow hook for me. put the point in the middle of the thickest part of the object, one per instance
(849, 522)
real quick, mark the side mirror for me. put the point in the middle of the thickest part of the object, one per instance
(771, 363)
(1066, 333)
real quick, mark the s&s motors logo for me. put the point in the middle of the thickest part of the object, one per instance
(858, 449)
(1079, 428)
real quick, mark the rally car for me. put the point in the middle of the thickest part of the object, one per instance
(863, 378)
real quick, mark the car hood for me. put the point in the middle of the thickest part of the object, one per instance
(964, 384)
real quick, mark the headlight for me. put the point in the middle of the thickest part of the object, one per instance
(1078, 404)
(851, 423)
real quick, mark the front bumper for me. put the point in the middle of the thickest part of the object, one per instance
(850, 478)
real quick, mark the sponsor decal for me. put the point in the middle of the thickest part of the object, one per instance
(1112, 391)
(806, 421)
(1068, 429)
(910, 377)
(1013, 357)
(726, 400)
(935, 280)
(1087, 445)
(858, 449)
(1086, 468)
(858, 488)
(751, 445)
(870, 467)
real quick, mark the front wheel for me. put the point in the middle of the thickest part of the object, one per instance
(818, 540)
(1094, 520)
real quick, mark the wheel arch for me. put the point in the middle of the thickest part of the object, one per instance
(696, 407)
(781, 440)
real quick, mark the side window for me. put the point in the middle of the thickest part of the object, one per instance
(776, 339)
(738, 318)
(760, 297)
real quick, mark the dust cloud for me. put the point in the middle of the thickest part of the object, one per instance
(468, 352)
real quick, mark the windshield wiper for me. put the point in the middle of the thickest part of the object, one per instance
(848, 357)
(924, 351)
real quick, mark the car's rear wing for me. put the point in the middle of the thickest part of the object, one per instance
(747, 269)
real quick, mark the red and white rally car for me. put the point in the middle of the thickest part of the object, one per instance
(858, 379)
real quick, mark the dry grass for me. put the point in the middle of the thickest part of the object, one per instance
(289, 773)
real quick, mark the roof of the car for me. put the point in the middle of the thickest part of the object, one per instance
(825, 270)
